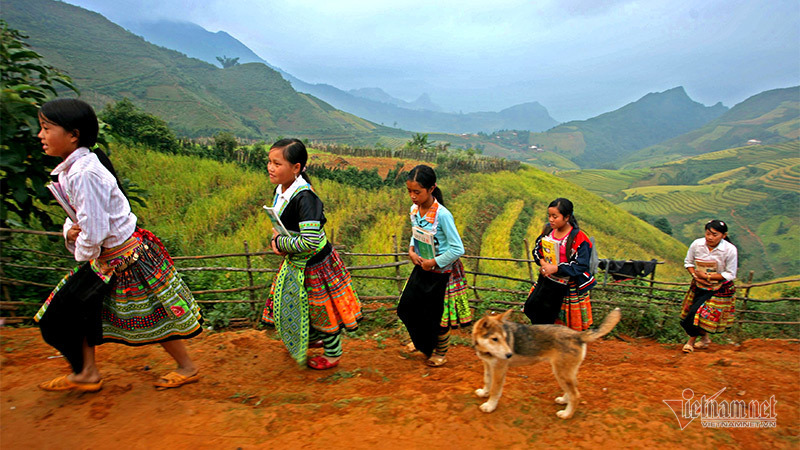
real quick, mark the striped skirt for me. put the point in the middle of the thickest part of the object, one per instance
(148, 301)
(576, 309)
(717, 313)
(332, 302)
(457, 312)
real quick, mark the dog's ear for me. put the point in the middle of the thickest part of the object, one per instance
(506, 314)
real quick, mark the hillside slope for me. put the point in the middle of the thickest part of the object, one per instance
(371, 104)
(196, 98)
(755, 189)
(770, 117)
(609, 138)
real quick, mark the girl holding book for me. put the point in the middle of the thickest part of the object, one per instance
(708, 305)
(561, 293)
(434, 298)
(126, 289)
(311, 299)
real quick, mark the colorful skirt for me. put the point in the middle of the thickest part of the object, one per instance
(717, 313)
(457, 312)
(147, 302)
(319, 296)
(576, 309)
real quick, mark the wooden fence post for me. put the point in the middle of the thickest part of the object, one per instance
(528, 257)
(397, 268)
(250, 278)
(746, 295)
(475, 277)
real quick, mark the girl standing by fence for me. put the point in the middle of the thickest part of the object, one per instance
(434, 298)
(561, 294)
(708, 306)
(311, 297)
(127, 289)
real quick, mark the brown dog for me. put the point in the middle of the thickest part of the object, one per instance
(499, 343)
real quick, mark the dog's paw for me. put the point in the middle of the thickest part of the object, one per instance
(488, 406)
(483, 393)
(562, 400)
(563, 414)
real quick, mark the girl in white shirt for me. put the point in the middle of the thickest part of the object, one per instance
(708, 306)
(126, 289)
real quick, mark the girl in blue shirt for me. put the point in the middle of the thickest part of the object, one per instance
(434, 298)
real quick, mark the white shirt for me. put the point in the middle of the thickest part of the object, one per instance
(724, 254)
(104, 213)
(282, 198)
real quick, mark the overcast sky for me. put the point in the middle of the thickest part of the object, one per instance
(578, 58)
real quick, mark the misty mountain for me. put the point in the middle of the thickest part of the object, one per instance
(108, 63)
(770, 117)
(372, 104)
(609, 138)
(379, 95)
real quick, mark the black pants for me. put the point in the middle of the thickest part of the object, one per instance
(544, 303)
(74, 315)
(421, 307)
(700, 297)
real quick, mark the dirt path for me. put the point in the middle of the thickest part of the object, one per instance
(253, 396)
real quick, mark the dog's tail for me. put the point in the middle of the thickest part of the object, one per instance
(608, 324)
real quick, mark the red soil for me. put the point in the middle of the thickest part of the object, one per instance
(252, 395)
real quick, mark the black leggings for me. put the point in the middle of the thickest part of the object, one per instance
(700, 297)
(544, 303)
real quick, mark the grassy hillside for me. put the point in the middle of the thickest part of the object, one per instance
(771, 117)
(194, 97)
(756, 189)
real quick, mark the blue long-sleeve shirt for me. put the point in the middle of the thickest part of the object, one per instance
(448, 242)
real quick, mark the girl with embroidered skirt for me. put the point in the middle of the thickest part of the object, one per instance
(311, 298)
(561, 293)
(708, 306)
(126, 290)
(434, 298)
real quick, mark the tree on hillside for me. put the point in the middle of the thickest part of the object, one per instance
(419, 141)
(134, 125)
(227, 62)
(226, 144)
(26, 82)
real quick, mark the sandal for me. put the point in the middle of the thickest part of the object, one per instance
(63, 383)
(174, 379)
(436, 360)
(410, 347)
(321, 363)
(687, 348)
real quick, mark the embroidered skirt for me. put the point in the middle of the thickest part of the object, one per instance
(319, 296)
(457, 312)
(716, 314)
(147, 301)
(575, 311)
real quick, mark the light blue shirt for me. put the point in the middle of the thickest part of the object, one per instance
(448, 242)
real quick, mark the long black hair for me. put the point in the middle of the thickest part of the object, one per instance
(294, 151)
(426, 177)
(718, 225)
(78, 117)
(566, 208)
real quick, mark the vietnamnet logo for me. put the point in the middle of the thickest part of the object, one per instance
(716, 413)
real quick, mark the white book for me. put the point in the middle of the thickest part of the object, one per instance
(275, 218)
(61, 197)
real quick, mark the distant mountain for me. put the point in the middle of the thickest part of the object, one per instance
(373, 104)
(193, 40)
(379, 95)
(770, 117)
(197, 99)
(609, 138)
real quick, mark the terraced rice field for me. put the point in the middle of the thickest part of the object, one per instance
(665, 200)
